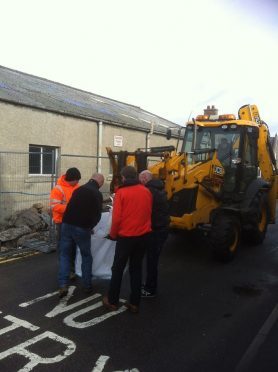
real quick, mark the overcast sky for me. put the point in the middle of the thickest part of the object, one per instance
(170, 57)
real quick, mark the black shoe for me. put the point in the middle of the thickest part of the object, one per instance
(107, 305)
(147, 294)
(63, 291)
(132, 308)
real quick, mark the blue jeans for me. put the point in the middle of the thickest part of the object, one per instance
(58, 238)
(70, 237)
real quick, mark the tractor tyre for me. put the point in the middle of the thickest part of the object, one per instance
(255, 234)
(225, 236)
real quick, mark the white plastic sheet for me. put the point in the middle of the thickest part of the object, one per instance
(102, 249)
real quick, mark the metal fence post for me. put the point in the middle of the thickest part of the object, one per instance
(52, 233)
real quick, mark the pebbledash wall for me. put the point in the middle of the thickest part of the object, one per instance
(79, 142)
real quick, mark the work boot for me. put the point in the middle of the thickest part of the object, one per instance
(132, 308)
(63, 291)
(107, 305)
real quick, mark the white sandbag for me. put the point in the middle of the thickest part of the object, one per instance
(102, 249)
(102, 229)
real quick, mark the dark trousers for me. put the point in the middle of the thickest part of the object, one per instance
(156, 242)
(73, 252)
(130, 249)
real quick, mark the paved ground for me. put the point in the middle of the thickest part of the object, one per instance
(207, 317)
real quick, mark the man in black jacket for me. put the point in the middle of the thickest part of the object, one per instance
(160, 226)
(82, 214)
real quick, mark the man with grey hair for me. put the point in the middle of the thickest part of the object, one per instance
(145, 176)
(82, 214)
(160, 226)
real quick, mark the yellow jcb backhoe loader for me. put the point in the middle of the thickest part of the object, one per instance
(223, 181)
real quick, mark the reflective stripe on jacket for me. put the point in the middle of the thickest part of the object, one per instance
(59, 197)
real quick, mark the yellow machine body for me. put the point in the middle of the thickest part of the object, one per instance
(201, 187)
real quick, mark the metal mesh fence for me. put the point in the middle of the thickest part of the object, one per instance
(87, 166)
(23, 183)
(27, 178)
(19, 189)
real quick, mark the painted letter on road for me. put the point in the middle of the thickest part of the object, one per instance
(35, 359)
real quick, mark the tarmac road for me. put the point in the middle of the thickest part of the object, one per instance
(207, 317)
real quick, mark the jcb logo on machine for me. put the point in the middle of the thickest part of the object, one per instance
(218, 170)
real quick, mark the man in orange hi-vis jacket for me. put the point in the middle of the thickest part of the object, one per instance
(60, 196)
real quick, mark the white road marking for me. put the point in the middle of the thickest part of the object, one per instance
(100, 363)
(36, 359)
(62, 306)
(129, 370)
(25, 304)
(69, 320)
(102, 360)
(17, 323)
(252, 350)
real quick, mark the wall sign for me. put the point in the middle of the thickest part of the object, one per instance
(118, 141)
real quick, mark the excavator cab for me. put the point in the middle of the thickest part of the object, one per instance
(235, 147)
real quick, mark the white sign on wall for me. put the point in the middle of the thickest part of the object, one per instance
(118, 141)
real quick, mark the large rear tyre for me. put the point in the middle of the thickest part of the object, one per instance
(225, 236)
(259, 219)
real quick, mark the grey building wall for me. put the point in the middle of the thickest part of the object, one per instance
(133, 139)
(76, 139)
(21, 126)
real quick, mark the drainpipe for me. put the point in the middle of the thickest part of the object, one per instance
(148, 136)
(99, 145)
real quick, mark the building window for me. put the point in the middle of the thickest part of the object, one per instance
(42, 159)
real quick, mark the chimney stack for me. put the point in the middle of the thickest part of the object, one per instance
(211, 110)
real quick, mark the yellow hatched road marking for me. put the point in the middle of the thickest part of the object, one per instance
(4, 260)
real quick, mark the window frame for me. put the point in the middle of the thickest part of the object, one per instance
(41, 153)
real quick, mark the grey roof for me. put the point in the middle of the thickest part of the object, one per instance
(28, 90)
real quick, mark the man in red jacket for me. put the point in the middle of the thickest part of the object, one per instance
(131, 227)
